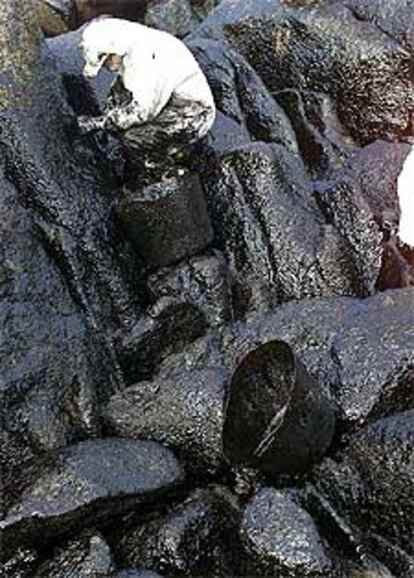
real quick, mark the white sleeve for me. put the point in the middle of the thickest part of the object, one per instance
(149, 82)
(124, 117)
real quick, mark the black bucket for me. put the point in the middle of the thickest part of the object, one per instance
(167, 221)
(277, 418)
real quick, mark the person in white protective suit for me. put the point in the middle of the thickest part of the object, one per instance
(160, 102)
(406, 201)
(398, 265)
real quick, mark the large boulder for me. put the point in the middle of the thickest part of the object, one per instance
(54, 367)
(277, 417)
(367, 189)
(272, 232)
(197, 537)
(281, 539)
(370, 484)
(344, 206)
(279, 242)
(359, 350)
(184, 412)
(382, 455)
(241, 95)
(376, 168)
(66, 276)
(86, 484)
(364, 70)
(61, 183)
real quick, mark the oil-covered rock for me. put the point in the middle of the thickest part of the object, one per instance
(149, 424)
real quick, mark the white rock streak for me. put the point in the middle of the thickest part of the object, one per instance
(155, 66)
(406, 200)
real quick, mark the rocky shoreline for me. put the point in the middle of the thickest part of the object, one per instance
(120, 379)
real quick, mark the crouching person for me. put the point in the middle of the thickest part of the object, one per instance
(160, 105)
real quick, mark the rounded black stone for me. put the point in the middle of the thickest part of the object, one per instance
(276, 416)
(167, 221)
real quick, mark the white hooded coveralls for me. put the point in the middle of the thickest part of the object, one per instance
(156, 67)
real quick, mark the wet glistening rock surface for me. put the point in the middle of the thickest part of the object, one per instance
(233, 394)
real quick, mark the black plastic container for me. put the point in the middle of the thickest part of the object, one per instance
(167, 221)
(277, 418)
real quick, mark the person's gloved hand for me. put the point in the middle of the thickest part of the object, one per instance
(89, 124)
